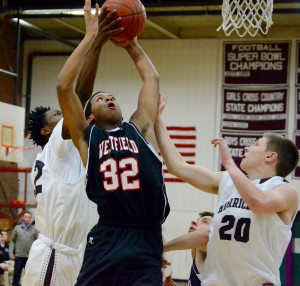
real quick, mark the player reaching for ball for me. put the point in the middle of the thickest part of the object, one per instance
(251, 230)
(124, 173)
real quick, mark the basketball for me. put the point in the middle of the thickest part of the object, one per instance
(133, 17)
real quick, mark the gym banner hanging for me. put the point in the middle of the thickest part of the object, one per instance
(298, 64)
(256, 63)
(260, 110)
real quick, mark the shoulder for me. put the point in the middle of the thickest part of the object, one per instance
(56, 135)
(17, 228)
(289, 196)
(288, 189)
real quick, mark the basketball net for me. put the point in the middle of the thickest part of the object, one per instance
(246, 17)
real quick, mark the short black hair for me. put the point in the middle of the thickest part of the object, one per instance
(35, 122)
(88, 105)
(28, 212)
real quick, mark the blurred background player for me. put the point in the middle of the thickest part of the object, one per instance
(198, 254)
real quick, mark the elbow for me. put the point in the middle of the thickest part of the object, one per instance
(177, 170)
(156, 76)
(255, 206)
(62, 86)
(172, 170)
(153, 77)
(59, 85)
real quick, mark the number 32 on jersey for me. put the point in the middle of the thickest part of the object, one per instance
(123, 173)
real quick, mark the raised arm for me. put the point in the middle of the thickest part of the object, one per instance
(191, 240)
(144, 116)
(282, 200)
(70, 104)
(197, 176)
(106, 29)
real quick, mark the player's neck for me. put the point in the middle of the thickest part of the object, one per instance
(261, 173)
(109, 127)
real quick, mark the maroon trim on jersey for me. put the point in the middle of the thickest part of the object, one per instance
(261, 182)
(49, 272)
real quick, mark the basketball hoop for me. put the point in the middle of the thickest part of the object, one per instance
(246, 17)
(18, 149)
(22, 155)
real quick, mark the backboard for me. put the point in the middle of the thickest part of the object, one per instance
(12, 125)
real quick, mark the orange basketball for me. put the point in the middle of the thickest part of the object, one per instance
(133, 14)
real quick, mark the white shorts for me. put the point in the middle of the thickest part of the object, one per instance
(67, 263)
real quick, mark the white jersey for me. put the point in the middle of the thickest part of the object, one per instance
(244, 248)
(64, 215)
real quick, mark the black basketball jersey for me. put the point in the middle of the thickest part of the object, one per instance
(125, 178)
(194, 280)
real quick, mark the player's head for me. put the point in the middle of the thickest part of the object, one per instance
(102, 109)
(205, 218)
(41, 122)
(287, 153)
(274, 151)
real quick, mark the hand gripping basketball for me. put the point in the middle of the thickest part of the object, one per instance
(133, 17)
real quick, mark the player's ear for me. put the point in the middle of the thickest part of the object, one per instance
(91, 119)
(272, 156)
(45, 131)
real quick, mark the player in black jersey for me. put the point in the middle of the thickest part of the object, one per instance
(124, 173)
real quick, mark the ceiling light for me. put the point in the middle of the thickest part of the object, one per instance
(76, 12)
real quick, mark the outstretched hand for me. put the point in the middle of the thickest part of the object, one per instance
(91, 21)
(226, 158)
(161, 105)
(165, 263)
(168, 281)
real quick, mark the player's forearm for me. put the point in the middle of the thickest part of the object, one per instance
(70, 70)
(170, 154)
(143, 63)
(197, 239)
(86, 78)
(250, 193)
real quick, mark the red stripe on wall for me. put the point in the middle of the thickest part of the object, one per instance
(182, 128)
(184, 139)
(185, 145)
(191, 137)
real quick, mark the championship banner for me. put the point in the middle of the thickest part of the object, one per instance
(298, 64)
(296, 173)
(251, 63)
(298, 109)
(237, 143)
(260, 110)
